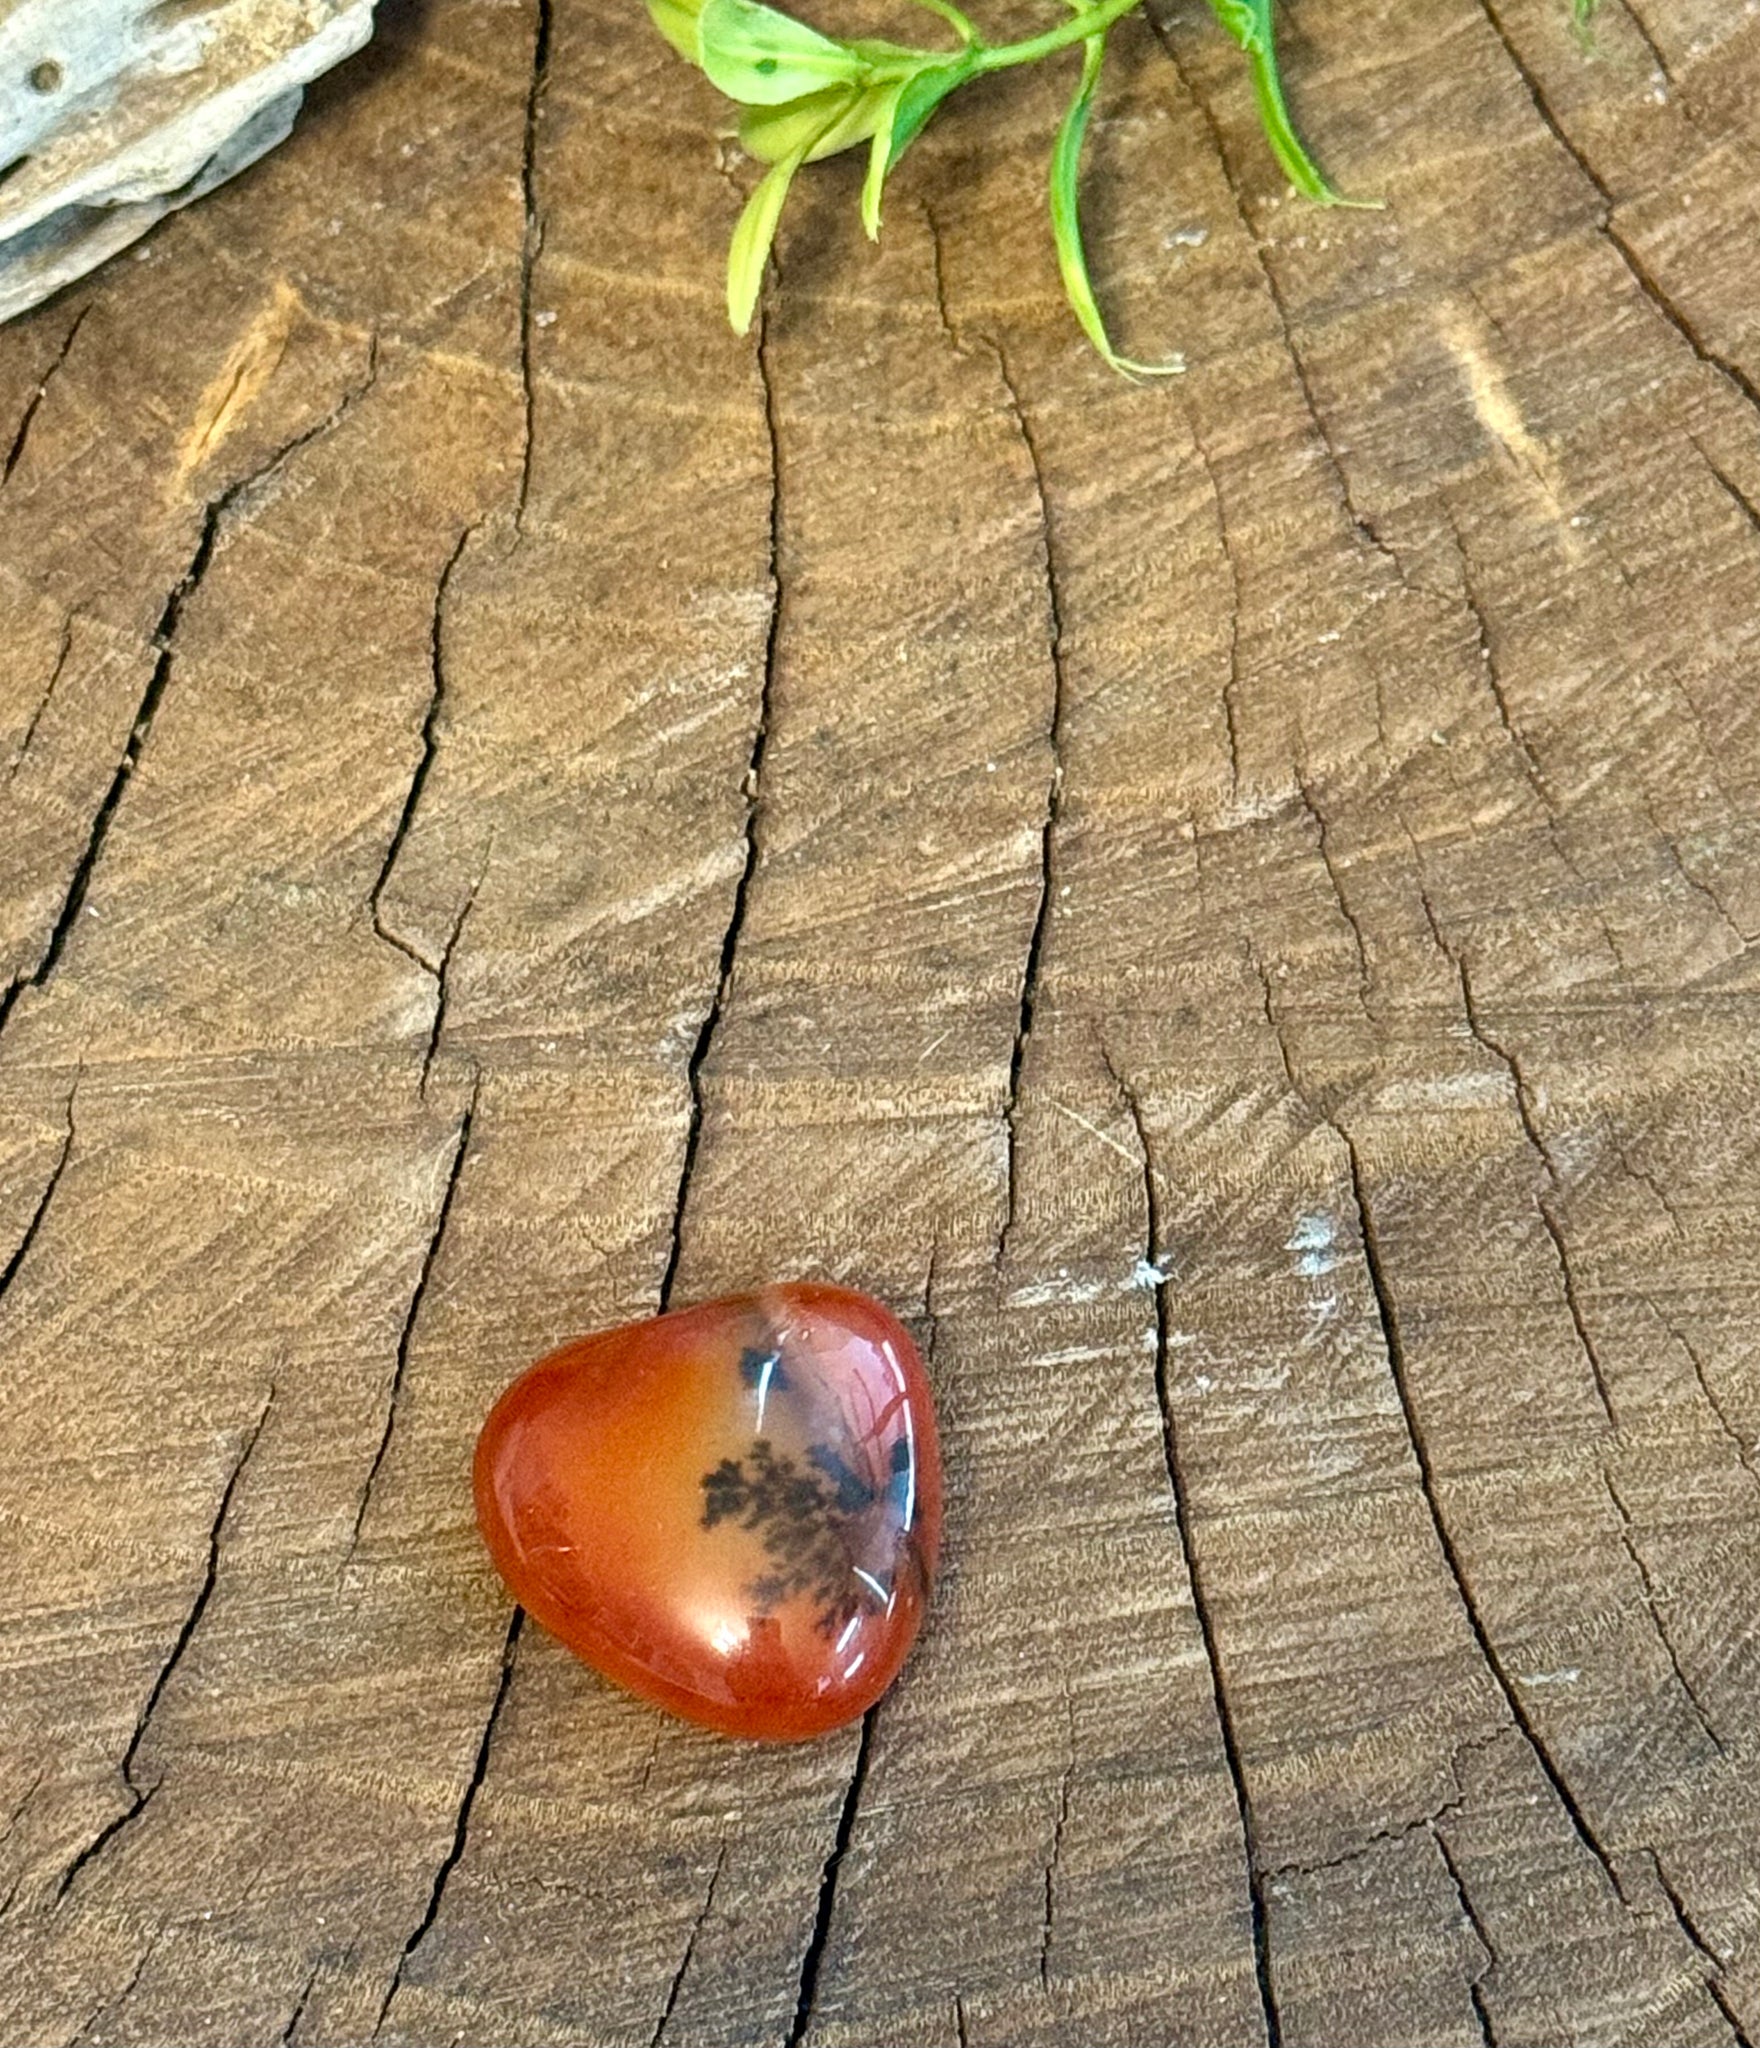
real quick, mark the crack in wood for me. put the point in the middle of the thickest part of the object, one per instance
(442, 984)
(1628, 1537)
(938, 273)
(164, 635)
(1716, 1964)
(1393, 1343)
(1608, 226)
(752, 784)
(15, 450)
(430, 737)
(436, 969)
(1059, 1823)
(1231, 683)
(1725, 2004)
(1697, 883)
(1222, 1705)
(1470, 1915)
(1542, 105)
(1538, 780)
(300, 2003)
(1744, 1450)
(690, 1949)
(1535, 775)
(113, 2005)
(1648, 1181)
(137, 1798)
(1423, 1823)
(1329, 861)
(1188, 932)
(532, 244)
(1492, 669)
(455, 1172)
(42, 704)
(22, 1250)
(461, 1820)
(1574, 1307)
(1527, 1110)
(1645, 35)
(1363, 526)
(22, 1803)
(1731, 489)
(216, 514)
(812, 1961)
(1544, 1202)
(1027, 1003)
(1274, 1018)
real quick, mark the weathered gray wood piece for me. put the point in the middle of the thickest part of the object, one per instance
(115, 112)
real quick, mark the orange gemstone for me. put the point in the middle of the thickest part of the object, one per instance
(733, 1510)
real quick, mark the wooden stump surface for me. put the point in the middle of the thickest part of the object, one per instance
(1232, 904)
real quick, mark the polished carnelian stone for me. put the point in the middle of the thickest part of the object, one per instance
(733, 1510)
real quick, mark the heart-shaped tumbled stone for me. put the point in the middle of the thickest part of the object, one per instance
(733, 1510)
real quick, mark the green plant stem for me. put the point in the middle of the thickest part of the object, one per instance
(1091, 22)
(961, 24)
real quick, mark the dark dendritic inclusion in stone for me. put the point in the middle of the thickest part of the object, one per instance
(808, 1522)
(808, 1519)
(795, 1515)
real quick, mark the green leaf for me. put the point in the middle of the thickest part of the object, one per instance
(920, 95)
(763, 58)
(1066, 226)
(828, 121)
(750, 249)
(879, 159)
(906, 108)
(1249, 22)
(677, 22)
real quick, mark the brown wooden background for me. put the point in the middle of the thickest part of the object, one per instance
(1232, 905)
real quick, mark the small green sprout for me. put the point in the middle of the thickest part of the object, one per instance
(807, 96)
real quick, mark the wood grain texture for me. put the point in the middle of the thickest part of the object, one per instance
(1233, 906)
